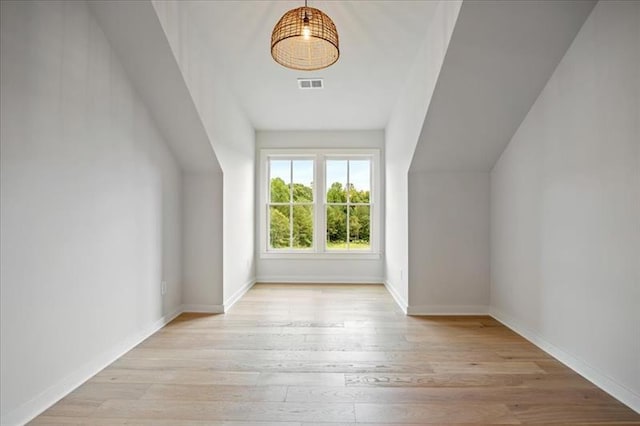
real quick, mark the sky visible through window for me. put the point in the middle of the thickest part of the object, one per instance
(336, 172)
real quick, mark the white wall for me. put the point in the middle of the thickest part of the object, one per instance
(90, 197)
(349, 270)
(565, 267)
(202, 242)
(232, 137)
(449, 242)
(401, 136)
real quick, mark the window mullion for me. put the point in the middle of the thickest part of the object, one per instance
(291, 204)
(348, 209)
(318, 215)
(321, 212)
(268, 209)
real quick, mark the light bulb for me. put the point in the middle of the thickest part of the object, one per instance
(306, 32)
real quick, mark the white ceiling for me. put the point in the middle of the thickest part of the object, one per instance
(378, 43)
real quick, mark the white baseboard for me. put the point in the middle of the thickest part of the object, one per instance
(398, 299)
(203, 309)
(29, 410)
(604, 382)
(320, 279)
(448, 310)
(237, 295)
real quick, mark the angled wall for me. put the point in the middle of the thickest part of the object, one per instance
(232, 137)
(401, 136)
(137, 35)
(498, 59)
(91, 207)
(565, 228)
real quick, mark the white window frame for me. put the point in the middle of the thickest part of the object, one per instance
(318, 250)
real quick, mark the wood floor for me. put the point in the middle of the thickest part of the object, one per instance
(334, 354)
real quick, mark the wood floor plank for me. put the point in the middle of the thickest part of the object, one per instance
(433, 355)
(58, 421)
(194, 376)
(575, 413)
(260, 354)
(226, 410)
(433, 380)
(506, 395)
(363, 338)
(511, 367)
(395, 424)
(216, 393)
(301, 379)
(93, 391)
(334, 355)
(435, 413)
(74, 408)
(311, 366)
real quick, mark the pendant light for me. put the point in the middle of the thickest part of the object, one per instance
(305, 39)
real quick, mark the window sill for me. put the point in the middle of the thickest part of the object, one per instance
(348, 256)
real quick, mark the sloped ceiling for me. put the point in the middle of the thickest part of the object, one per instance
(136, 35)
(500, 57)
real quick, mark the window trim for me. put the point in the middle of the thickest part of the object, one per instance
(318, 250)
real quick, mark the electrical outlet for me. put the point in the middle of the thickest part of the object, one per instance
(400, 274)
(163, 287)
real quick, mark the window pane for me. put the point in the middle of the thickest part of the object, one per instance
(279, 227)
(336, 227)
(302, 181)
(336, 181)
(280, 174)
(359, 181)
(359, 228)
(302, 226)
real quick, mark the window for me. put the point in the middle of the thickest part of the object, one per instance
(348, 207)
(319, 202)
(291, 204)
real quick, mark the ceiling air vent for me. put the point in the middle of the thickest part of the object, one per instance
(310, 83)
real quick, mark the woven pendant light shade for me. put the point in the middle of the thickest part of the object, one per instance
(305, 39)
